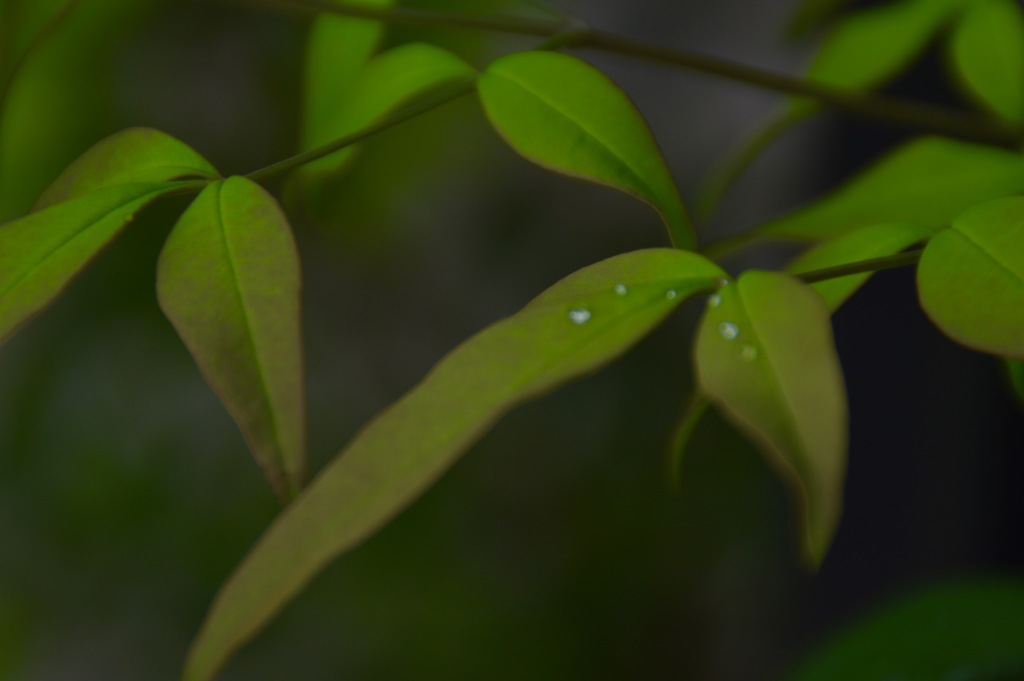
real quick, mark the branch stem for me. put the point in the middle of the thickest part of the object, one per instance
(861, 266)
(402, 115)
(923, 117)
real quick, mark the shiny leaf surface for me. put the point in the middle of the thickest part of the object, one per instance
(565, 115)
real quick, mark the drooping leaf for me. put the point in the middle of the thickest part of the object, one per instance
(228, 279)
(337, 51)
(987, 54)
(863, 243)
(131, 156)
(971, 278)
(565, 115)
(766, 359)
(576, 326)
(385, 83)
(42, 252)
(928, 181)
(972, 631)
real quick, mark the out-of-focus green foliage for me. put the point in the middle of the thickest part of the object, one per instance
(987, 51)
(928, 182)
(969, 632)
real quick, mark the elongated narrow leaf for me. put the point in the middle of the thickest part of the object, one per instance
(928, 181)
(987, 53)
(565, 115)
(971, 278)
(576, 326)
(385, 83)
(766, 358)
(130, 156)
(337, 50)
(41, 253)
(864, 243)
(228, 279)
(972, 631)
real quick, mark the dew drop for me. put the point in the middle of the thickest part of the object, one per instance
(579, 316)
(714, 300)
(621, 290)
(748, 353)
(671, 294)
(722, 282)
(728, 330)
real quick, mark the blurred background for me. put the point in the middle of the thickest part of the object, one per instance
(556, 549)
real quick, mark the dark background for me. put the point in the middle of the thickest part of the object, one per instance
(556, 549)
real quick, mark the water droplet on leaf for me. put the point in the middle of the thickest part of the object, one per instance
(748, 353)
(671, 294)
(621, 290)
(714, 300)
(579, 316)
(728, 330)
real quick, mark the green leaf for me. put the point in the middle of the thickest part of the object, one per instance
(59, 101)
(863, 243)
(971, 278)
(766, 359)
(42, 252)
(872, 46)
(1015, 377)
(811, 13)
(963, 632)
(228, 279)
(336, 53)
(576, 326)
(928, 181)
(987, 54)
(565, 115)
(385, 83)
(131, 156)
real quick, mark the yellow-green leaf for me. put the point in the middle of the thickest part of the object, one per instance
(386, 82)
(870, 47)
(863, 243)
(563, 114)
(576, 326)
(971, 278)
(42, 252)
(987, 52)
(127, 157)
(228, 279)
(928, 181)
(336, 52)
(766, 358)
